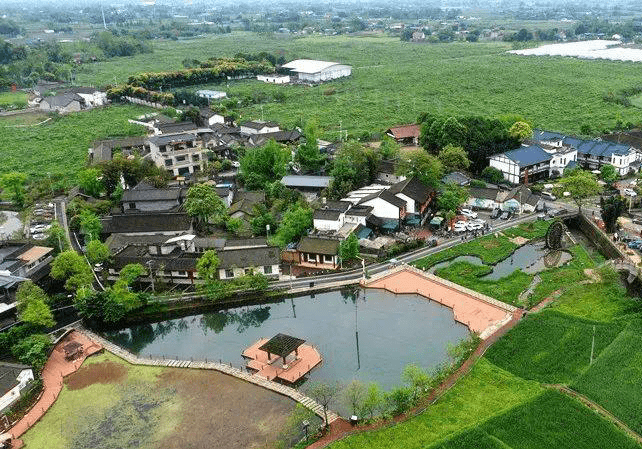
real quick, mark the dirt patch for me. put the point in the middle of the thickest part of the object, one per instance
(103, 373)
(490, 243)
(221, 411)
(518, 240)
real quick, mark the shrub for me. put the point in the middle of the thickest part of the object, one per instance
(33, 350)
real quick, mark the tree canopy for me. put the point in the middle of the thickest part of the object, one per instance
(90, 225)
(451, 197)
(425, 167)
(581, 184)
(349, 248)
(14, 182)
(207, 266)
(308, 155)
(97, 252)
(71, 267)
(453, 158)
(353, 167)
(32, 305)
(608, 173)
(262, 165)
(203, 202)
(296, 221)
(89, 182)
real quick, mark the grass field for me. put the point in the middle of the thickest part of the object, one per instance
(394, 81)
(10, 100)
(615, 380)
(551, 347)
(485, 392)
(60, 145)
(551, 420)
(110, 404)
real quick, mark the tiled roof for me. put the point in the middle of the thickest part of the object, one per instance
(316, 245)
(320, 182)
(178, 127)
(143, 222)
(259, 124)
(147, 192)
(164, 139)
(412, 188)
(249, 257)
(9, 373)
(525, 156)
(330, 215)
(405, 131)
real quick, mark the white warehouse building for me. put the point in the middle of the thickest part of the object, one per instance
(312, 71)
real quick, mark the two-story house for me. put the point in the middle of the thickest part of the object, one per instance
(179, 154)
(523, 165)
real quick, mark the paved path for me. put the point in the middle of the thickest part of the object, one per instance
(56, 368)
(221, 367)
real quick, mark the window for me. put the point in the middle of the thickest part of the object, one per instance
(168, 163)
(247, 271)
(328, 259)
(182, 273)
(180, 159)
(267, 269)
(195, 157)
(312, 257)
(229, 273)
(132, 205)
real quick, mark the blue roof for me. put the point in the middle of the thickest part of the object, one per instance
(604, 149)
(571, 165)
(526, 156)
(572, 141)
(539, 134)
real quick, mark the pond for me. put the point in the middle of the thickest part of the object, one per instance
(368, 335)
(531, 258)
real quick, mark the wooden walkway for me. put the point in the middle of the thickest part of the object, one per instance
(221, 367)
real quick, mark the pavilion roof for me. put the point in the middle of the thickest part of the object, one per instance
(281, 345)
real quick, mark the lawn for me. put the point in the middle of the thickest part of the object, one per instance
(551, 347)
(599, 301)
(615, 380)
(506, 289)
(551, 420)
(109, 403)
(60, 145)
(490, 249)
(485, 392)
(394, 81)
(13, 100)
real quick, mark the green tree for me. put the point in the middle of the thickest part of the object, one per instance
(389, 149)
(608, 173)
(373, 401)
(492, 175)
(425, 167)
(130, 273)
(417, 379)
(611, 208)
(71, 267)
(453, 158)
(295, 223)
(32, 305)
(453, 132)
(97, 252)
(14, 182)
(353, 167)
(234, 225)
(207, 266)
(89, 181)
(349, 248)
(262, 165)
(33, 350)
(57, 238)
(308, 155)
(354, 396)
(90, 225)
(262, 218)
(521, 130)
(451, 197)
(203, 203)
(581, 184)
(325, 395)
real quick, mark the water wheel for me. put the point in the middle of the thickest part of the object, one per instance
(555, 235)
(552, 258)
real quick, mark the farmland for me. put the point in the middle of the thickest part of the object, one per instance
(394, 81)
(60, 145)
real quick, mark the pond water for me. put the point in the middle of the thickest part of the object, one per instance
(368, 335)
(530, 258)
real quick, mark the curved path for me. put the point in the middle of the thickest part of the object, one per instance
(226, 369)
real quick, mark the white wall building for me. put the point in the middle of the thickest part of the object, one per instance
(274, 79)
(259, 127)
(13, 379)
(313, 71)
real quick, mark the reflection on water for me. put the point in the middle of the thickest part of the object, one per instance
(531, 258)
(365, 334)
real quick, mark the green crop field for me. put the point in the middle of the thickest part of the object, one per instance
(394, 81)
(485, 392)
(16, 100)
(615, 380)
(60, 145)
(551, 347)
(551, 420)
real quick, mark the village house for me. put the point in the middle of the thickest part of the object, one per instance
(20, 262)
(258, 127)
(91, 96)
(523, 165)
(405, 134)
(387, 172)
(239, 261)
(245, 203)
(318, 253)
(519, 199)
(14, 378)
(308, 185)
(104, 150)
(63, 104)
(147, 223)
(144, 197)
(180, 154)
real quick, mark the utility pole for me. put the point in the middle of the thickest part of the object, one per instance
(103, 13)
(592, 346)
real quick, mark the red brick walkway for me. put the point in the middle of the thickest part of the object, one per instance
(56, 368)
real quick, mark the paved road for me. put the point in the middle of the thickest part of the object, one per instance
(377, 268)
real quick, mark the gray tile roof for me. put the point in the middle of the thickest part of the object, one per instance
(323, 214)
(315, 245)
(525, 156)
(164, 139)
(249, 257)
(147, 192)
(147, 222)
(386, 196)
(9, 375)
(412, 188)
(319, 182)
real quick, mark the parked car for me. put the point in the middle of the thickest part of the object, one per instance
(635, 244)
(495, 213)
(468, 213)
(541, 217)
(548, 196)
(629, 192)
(637, 220)
(474, 226)
(506, 215)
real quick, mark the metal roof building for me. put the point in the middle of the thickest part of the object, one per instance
(310, 70)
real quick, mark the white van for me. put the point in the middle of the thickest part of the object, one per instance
(548, 196)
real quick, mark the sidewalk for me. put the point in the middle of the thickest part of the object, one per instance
(56, 368)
